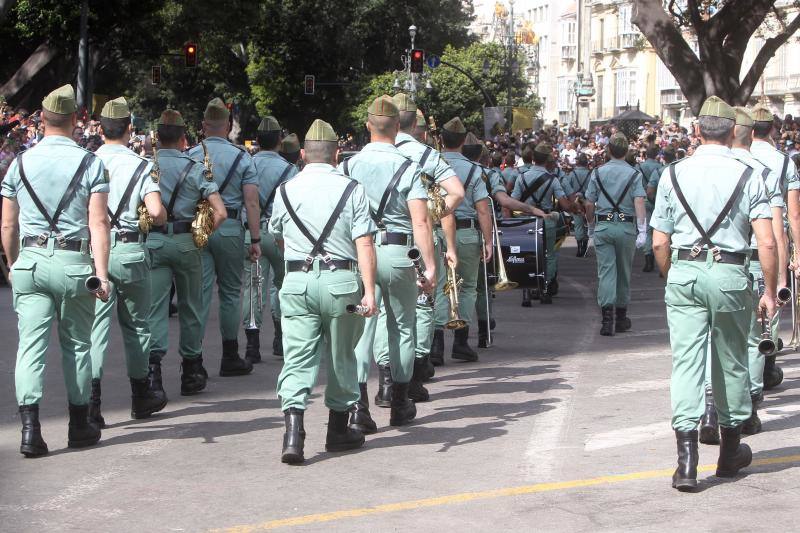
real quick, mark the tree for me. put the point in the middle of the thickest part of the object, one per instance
(722, 29)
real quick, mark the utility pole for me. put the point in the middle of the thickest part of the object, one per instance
(509, 67)
(83, 58)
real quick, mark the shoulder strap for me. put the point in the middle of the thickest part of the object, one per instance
(549, 185)
(281, 179)
(126, 196)
(705, 236)
(615, 205)
(534, 186)
(470, 176)
(231, 171)
(184, 173)
(345, 168)
(401, 143)
(786, 160)
(425, 156)
(582, 184)
(378, 217)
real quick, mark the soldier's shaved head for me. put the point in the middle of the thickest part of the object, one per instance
(383, 126)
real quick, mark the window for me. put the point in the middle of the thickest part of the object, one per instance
(568, 32)
(563, 93)
(624, 24)
(599, 96)
(626, 88)
(666, 81)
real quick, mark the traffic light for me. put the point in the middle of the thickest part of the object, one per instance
(309, 84)
(156, 75)
(417, 60)
(190, 55)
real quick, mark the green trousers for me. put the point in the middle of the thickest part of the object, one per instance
(396, 296)
(175, 257)
(615, 243)
(468, 249)
(315, 323)
(648, 243)
(482, 310)
(222, 260)
(441, 305)
(552, 254)
(756, 360)
(579, 224)
(49, 284)
(129, 273)
(271, 260)
(708, 306)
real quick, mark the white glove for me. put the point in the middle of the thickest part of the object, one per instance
(590, 231)
(641, 236)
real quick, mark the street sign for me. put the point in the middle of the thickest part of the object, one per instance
(434, 61)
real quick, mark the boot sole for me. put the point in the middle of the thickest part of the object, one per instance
(383, 403)
(82, 443)
(191, 392)
(344, 447)
(234, 373)
(734, 473)
(30, 451)
(437, 362)
(365, 430)
(253, 360)
(292, 458)
(402, 422)
(685, 485)
(712, 440)
(464, 358)
(146, 414)
(418, 399)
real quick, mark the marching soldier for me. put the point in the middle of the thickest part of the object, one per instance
(615, 202)
(575, 187)
(290, 149)
(132, 185)
(437, 172)
(322, 220)
(510, 172)
(704, 211)
(235, 176)
(647, 167)
(398, 205)
(473, 219)
(175, 256)
(782, 166)
(538, 187)
(668, 156)
(272, 170)
(54, 202)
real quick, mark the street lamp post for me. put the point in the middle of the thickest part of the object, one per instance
(511, 60)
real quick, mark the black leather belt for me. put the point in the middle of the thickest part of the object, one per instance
(390, 237)
(338, 264)
(466, 223)
(615, 217)
(731, 258)
(128, 236)
(36, 242)
(263, 221)
(233, 213)
(180, 226)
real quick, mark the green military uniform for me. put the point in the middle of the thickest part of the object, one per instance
(272, 170)
(510, 175)
(49, 275)
(647, 168)
(222, 259)
(576, 183)
(493, 180)
(175, 256)
(708, 298)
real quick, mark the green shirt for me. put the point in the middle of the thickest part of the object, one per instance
(576, 181)
(544, 194)
(614, 177)
(313, 194)
(271, 167)
(494, 181)
(708, 179)
(222, 154)
(434, 165)
(772, 186)
(510, 175)
(121, 164)
(373, 167)
(49, 167)
(193, 188)
(475, 191)
(774, 159)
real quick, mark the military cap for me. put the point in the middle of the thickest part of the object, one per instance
(290, 144)
(484, 150)
(472, 140)
(321, 131)
(404, 103)
(714, 106)
(61, 101)
(544, 148)
(619, 140)
(116, 108)
(761, 113)
(383, 106)
(743, 117)
(421, 119)
(455, 126)
(269, 123)
(170, 117)
(216, 110)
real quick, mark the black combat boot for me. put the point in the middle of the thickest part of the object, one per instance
(622, 323)
(773, 375)
(416, 391)
(553, 286)
(277, 340)
(95, 416)
(253, 350)
(403, 408)
(526, 297)
(483, 334)
(752, 425)
(437, 348)
(384, 396)
(430, 370)
(649, 263)
(733, 456)
(462, 350)
(547, 294)
(193, 376)
(232, 364)
(294, 438)
(709, 423)
(154, 383)
(685, 477)
(360, 419)
(32, 445)
(82, 433)
(145, 402)
(342, 437)
(607, 329)
(583, 246)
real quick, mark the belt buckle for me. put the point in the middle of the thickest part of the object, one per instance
(696, 249)
(41, 240)
(308, 262)
(621, 217)
(61, 240)
(717, 254)
(609, 217)
(328, 260)
(383, 237)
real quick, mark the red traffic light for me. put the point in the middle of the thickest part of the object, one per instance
(417, 60)
(156, 75)
(190, 55)
(310, 81)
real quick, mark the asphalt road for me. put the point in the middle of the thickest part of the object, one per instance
(554, 429)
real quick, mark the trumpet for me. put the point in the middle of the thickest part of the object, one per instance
(451, 287)
(203, 223)
(766, 346)
(145, 220)
(256, 294)
(437, 207)
(502, 283)
(414, 255)
(784, 295)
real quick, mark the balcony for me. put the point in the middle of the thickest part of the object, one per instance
(672, 97)
(569, 52)
(613, 44)
(597, 48)
(629, 40)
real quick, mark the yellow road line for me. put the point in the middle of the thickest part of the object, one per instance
(482, 495)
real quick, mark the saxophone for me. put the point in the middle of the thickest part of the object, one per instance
(145, 220)
(203, 223)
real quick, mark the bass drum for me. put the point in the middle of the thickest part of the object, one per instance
(522, 245)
